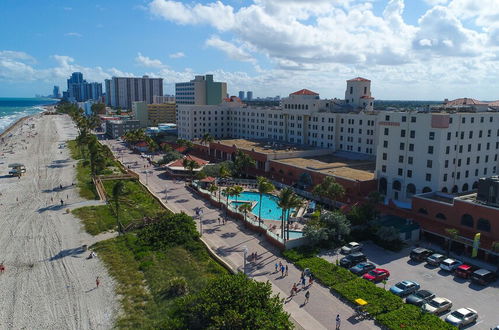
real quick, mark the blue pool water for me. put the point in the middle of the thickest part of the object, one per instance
(270, 209)
(295, 234)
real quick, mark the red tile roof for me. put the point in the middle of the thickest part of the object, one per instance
(494, 104)
(465, 101)
(359, 79)
(366, 97)
(141, 144)
(179, 162)
(304, 92)
(208, 179)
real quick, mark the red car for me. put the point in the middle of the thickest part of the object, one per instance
(377, 275)
(464, 271)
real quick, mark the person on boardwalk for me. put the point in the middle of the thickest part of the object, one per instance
(303, 281)
(276, 267)
(97, 282)
(338, 322)
(307, 296)
(287, 268)
(218, 220)
(282, 270)
(310, 281)
(2, 268)
(294, 289)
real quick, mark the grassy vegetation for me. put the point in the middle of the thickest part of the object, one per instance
(142, 274)
(136, 204)
(84, 179)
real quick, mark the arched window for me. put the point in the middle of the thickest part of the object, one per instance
(455, 189)
(483, 224)
(411, 189)
(475, 185)
(441, 216)
(423, 211)
(426, 190)
(465, 187)
(467, 220)
(445, 190)
(383, 185)
(396, 185)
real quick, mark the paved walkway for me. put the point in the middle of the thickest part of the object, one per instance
(229, 240)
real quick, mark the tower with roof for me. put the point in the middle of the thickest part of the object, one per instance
(358, 94)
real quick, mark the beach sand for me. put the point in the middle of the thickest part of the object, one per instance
(48, 282)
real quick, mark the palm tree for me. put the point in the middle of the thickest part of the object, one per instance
(228, 191)
(245, 208)
(236, 191)
(212, 188)
(223, 173)
(264, 187)
(190, 165)
(243, 163)
(207, 138)
(329, 189)
(118, 191)
(452, 233)
(287, 200)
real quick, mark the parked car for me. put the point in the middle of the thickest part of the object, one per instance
(352, 259)
(450, 264)
(404, 288)
(437, 305)
(351, 248)
(420, 254)
(464, 271)
(462, 317)
(377, 275)
(419, 298)
(483, 276)
(362, 268)
(435, 259)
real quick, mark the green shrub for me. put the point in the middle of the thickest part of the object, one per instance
(301, 252)
(170, 230)
(379, 300)
(326, 272)
(412, 318)
(175, 287)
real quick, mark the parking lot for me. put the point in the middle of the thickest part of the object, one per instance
(462, 293)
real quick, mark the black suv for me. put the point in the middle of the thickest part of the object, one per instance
(483, 276)
(420, 254)
(352, 259)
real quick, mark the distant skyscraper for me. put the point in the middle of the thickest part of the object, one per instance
(241, 95)
(56, 93)
(249, 95)
(123, 91)
(79, 90)
(201, 91)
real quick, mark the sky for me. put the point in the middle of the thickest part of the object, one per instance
(410, 50)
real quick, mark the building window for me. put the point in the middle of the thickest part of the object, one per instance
(449, 136)
(441, 216)
(404, 119)
(402, 145)
(432, 136)
(413, 119)
(387, 118)
(409, 160)
(483, 225)
(402, 133)
(428, 177)
(423, 211)
(429, 163)
(413, 134)
(401, 159)
(400, 172)
(467, 220)
(409, 173)
(385, 144)
(430, 149)
(383, 168)
(386, 131)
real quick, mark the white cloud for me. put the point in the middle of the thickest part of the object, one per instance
(230, 49)
(177, 55)
(149, 62)
(73, 34)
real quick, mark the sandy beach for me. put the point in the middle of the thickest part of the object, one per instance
(48, 283)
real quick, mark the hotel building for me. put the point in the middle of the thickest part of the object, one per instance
(123, 91)
(154, 114)
(201, 91)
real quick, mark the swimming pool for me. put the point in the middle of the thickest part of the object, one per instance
(295, 234)
(270, 208)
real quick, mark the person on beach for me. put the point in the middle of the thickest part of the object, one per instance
(97, 282)
(2, 268)
(62, 202)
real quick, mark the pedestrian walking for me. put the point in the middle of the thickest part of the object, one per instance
(295, 289)
(97, 282)
(338, 322)
(62, 202)
(2, 268)
(307, 297)
(280, 264)
(276, 267)
(256, 255)
(287, 268)
(219, 220)
(303, 281)
(282, 271)
(310, 281)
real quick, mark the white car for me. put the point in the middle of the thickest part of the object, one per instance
(351, 248)
(462, 317)
(450, 264)
(437, 305)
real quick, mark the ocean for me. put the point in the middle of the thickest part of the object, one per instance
(11, 109)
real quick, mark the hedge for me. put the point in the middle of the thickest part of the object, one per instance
(326, 272)
(412, 318)
(301, 252)
(379, 300)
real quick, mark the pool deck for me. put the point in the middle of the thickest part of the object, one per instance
(264, 146)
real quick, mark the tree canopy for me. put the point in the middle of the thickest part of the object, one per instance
(231, 302)
(328, 229)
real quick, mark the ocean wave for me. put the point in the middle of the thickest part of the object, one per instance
(10, 116)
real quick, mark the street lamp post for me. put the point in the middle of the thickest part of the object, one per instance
(245, 254)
